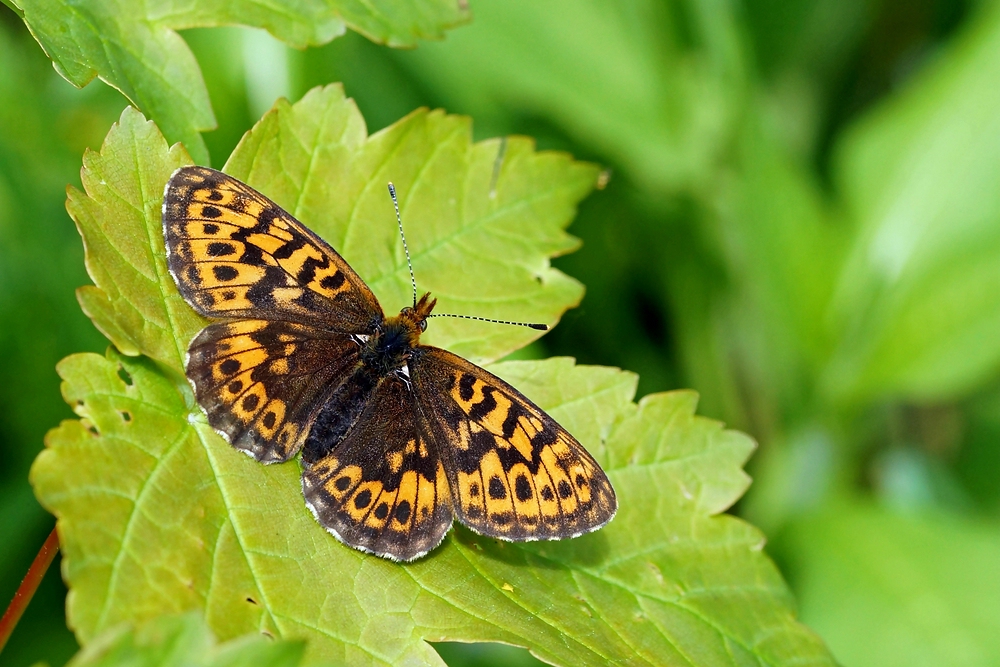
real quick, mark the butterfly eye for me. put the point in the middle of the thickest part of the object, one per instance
(423, 325)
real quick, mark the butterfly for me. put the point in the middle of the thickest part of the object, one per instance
(397, 439)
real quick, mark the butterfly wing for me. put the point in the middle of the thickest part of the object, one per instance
(261, 382)
(234, 253)
(383, 487)
(514, 473)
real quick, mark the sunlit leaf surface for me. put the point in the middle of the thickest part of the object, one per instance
(184, 640)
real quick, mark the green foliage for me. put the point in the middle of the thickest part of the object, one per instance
(159, 515)
(184, 641)
(135, 47)
(919, 296)
(931, 580)
(617, 77)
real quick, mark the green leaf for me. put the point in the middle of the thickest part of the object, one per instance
(918, 300)
(135, 47)
(892, 590)
(157, 514)
(134, 301)
(184, 641)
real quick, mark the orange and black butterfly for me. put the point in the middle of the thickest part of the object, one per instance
(397, 438)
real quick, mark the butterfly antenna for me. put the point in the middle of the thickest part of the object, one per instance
(538, 327)
(399, 220)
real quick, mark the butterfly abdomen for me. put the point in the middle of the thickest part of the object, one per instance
(340, 412)
(382, 355)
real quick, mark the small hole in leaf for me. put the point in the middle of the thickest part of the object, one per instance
(79, 403)
(251, 601)
(124, 375)
(93, 429)
(267, 634)
(538, 279)
(455, 653)
(126, 415)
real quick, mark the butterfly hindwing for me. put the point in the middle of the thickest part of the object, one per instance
(235, 253)
(260, 382)
(515, 473)
(383, 487)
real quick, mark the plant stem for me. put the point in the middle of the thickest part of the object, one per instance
(28, 587)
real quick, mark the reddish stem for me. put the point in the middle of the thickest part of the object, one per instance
(28, 587)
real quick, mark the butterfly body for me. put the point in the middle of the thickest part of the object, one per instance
(398, 439)
(383, 356)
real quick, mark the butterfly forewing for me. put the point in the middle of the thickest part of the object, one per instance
(515, 473)
(235, 253)
(383, 487)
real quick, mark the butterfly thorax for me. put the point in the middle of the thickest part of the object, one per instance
(389, 347)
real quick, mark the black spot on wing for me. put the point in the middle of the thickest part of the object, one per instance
(333, 281)
(465, 386)
(485, 406)
(224, 272)
(217, 249)
(496, 489)
(510, 421)
(363, 499)
(522, 488)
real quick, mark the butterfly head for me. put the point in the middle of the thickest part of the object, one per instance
(418, 314)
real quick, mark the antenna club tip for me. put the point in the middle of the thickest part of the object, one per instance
(392, 188)
(539, 327)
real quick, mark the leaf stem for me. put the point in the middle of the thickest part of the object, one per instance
(28, 587)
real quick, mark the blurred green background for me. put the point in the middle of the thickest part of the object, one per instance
(802, 222)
